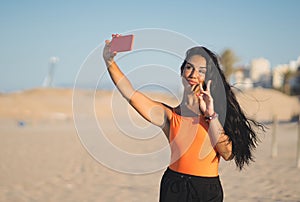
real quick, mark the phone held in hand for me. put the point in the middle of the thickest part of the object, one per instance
(122, 43)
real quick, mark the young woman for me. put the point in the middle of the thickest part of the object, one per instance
(206, 125)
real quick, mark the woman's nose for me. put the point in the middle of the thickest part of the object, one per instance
(194, 74)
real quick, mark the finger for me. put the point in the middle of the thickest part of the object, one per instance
(115, 35)
(201, 87)
(194, 87)
(208, 85)
(107, 42)
(206, 94)
(197, 90)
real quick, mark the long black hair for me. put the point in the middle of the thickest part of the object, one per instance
(239, 128)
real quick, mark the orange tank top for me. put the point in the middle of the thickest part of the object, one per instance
(191, 149)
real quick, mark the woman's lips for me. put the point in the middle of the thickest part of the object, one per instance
(192, 82)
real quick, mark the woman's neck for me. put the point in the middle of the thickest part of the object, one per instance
(190, 99)
(190, 104)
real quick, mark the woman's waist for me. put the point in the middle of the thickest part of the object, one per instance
(181, 175)
(207, 167)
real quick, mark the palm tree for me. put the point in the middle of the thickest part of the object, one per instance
(228, 59)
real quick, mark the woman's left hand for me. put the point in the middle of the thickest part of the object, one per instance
(206, 102)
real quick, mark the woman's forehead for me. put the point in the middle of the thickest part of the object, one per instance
(197, 61)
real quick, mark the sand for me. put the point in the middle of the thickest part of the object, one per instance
(43, 158)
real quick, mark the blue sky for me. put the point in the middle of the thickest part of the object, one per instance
(33, 31)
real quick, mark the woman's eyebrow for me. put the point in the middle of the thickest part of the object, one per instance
(194, 65)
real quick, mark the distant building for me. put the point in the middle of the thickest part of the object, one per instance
(280, 71)
(285, 77)
(241, 78)
(278, 75)
(260, 72)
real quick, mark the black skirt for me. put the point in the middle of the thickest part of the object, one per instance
(179, 187)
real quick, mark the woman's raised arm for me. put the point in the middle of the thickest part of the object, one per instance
(153, 111)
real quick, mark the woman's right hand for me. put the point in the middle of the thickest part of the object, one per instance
(108, 56)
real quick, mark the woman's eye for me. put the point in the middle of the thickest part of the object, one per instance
(203, 71)
(188, 67)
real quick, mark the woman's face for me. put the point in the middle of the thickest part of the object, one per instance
(194, 71)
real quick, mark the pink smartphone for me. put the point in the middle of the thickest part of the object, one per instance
(122, 43)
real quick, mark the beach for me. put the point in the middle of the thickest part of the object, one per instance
(43, 157)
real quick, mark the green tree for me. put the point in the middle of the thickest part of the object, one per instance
(228, 59)
(286, 88)
(291, 82)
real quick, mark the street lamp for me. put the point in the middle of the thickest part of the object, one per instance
(49, 78)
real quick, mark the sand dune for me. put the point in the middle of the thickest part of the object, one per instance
(44, 103)
(43, 159)
(264, 104)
